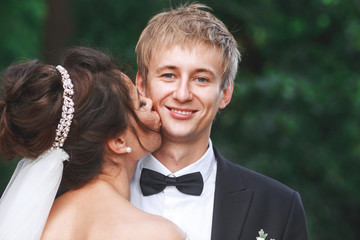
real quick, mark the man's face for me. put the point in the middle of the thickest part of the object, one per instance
(185, 86)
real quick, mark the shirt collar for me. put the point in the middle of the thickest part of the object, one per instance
(204, 165)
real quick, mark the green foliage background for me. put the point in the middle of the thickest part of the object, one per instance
(295, 112)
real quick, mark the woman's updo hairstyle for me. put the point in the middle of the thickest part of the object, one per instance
(30, 109)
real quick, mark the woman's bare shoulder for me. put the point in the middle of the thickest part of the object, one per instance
(80, 215)
(169, 230)
(159, 228)
(63, 218)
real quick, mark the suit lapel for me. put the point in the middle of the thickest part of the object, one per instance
(231, 203)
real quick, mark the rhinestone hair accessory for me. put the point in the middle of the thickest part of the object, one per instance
(63, 127)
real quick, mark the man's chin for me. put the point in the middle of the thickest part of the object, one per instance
(176, 136)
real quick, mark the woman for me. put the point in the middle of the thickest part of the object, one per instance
(101, 127)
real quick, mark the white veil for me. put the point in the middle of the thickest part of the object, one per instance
(27, 200)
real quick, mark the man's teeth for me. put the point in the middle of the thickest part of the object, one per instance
(181, 112)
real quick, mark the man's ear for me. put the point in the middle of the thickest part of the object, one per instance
(226, 96)
(117, 145)
(140, 84)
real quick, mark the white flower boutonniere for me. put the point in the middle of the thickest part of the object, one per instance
(262, 235)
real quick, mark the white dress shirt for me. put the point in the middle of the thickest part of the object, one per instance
(193, 214)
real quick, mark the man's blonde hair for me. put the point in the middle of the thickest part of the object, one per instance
(187, 25)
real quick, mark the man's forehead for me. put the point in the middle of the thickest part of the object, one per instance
(189, 45)
(198, 48)
(166, 56)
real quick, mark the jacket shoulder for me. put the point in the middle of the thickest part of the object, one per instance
(250, 179)
(272, 205)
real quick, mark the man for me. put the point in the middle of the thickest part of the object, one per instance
(187, 61)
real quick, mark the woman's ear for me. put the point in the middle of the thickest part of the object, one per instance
(118, 145)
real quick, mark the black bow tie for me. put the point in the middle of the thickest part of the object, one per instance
(152, 182)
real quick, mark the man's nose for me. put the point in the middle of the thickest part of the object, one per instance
(183, 92)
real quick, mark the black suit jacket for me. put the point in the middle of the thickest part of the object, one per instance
(246, 201)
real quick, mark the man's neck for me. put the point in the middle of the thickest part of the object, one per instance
(176, 155)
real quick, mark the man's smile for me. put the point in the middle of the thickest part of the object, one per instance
(182, 112)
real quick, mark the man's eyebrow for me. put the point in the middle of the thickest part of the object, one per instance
(166, 67)
(205, 70)
(171, 67)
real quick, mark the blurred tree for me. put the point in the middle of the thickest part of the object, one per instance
(295, 116)
(58, 29)
(21, 30)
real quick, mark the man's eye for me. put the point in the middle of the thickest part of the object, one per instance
(142, 104)
(168, 75)
(201, 79)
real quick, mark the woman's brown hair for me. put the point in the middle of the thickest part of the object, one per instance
(30, 108)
